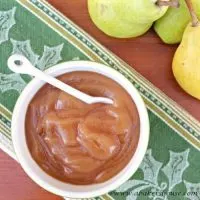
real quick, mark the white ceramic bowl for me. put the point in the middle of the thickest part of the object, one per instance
(43, 179)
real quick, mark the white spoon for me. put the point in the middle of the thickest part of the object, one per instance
(20, 64)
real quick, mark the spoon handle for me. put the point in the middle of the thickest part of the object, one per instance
(70, 90)
(20, 64)
(62, 86)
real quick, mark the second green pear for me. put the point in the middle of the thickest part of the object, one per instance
(171, 26)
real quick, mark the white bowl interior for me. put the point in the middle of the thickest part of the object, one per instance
(43, 179)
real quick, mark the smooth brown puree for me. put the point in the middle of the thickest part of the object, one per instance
(79, 143)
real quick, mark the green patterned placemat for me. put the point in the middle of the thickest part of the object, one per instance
(171, 167)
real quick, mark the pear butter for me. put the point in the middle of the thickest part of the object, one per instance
(79, 143)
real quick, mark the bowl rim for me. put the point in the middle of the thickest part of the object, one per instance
(41, 177)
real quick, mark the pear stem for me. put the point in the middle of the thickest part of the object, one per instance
(170, 3)
(195, 20)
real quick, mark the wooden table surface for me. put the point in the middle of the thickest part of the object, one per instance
(147, 54)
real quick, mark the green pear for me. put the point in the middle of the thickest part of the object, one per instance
(125, 18)
(171, 26)
(105, 17)
(140, 11)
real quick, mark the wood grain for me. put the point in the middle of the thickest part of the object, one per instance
(147, 54)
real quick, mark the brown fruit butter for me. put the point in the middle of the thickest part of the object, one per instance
(80, 143)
